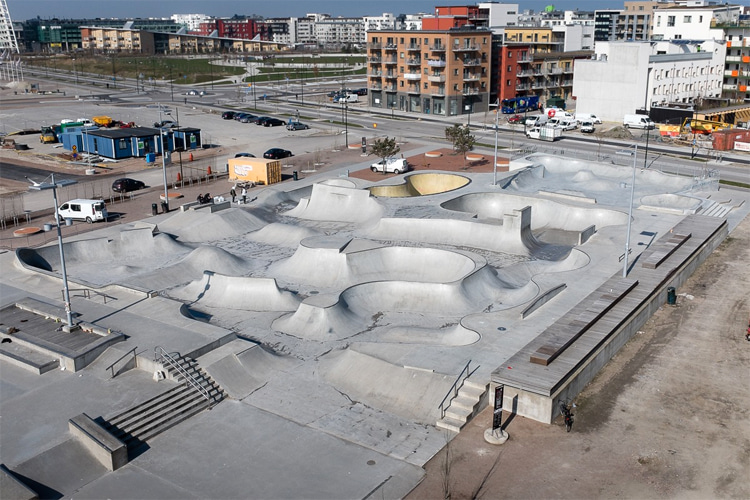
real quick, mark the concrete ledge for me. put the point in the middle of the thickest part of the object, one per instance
(28, 360)
(110, 451)
(11, 487)
(542, 299)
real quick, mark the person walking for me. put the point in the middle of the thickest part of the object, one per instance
(233, 193)
(244, 195)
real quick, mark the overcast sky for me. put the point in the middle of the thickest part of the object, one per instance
(26, 9)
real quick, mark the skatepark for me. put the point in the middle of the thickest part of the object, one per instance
(352, 327)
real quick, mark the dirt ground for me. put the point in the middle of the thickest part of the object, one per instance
(668, 417)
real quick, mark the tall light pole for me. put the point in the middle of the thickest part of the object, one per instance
(630, 215)
(494, 162)
(66, 291)
(164, 148)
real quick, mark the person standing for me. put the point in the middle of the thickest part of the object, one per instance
(244, 195)
(233, 193)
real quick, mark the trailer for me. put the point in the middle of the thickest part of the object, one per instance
(252, 171)
(545, 133)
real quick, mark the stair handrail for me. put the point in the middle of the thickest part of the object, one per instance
(135, 357)
(160, 354)
(455, 387)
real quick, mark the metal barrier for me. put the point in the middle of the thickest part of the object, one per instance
(135, 358)
(160, 356)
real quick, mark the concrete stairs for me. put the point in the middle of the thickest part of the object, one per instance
(150, 418)
(470, 400)
(714, 209)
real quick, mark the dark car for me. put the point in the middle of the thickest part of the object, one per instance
(126, 185)
(244, 155)
(277, 154)
(273, 122)
(362, 91)
(166, 124)
(228, 115)
(297, 126)
(259, 120)
(247, 118)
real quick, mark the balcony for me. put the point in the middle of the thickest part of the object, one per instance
(414, 47)
(390, 60)
(376, 86)
(523, 86)
(375, 60)
(471, 77)
(436, 63)
(375, 45)
(472, 62)
(538, 84)
(390, 46)
(470, 91)
(729, 87)
(437, 48)
(390, 75)
(412, 76)
(466, 48)
(436, 78)
(415, 61)
(439, 91)
(389, 88)
(413, 89)
(553, 71)
(375, 74)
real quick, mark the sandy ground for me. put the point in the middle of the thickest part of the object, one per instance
(668, 417)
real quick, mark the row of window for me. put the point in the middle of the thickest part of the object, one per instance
(685, 72)
(672, 19)
(437, 41)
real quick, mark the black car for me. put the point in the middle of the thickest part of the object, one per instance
(273, 122)
(247, 117)
(277, 154)
(228, 115)
(244, 155)
(126, 184)
(259, 120)
(362, 91)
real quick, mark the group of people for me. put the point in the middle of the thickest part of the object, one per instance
(205, 198)
(243, 194)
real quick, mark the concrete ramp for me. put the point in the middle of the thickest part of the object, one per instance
(242, 293)
(283, 235)
(410, 393)
(202, 225)
(329, 202)
(452, 336)
(322, 318)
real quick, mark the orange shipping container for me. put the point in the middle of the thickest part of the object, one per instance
(255, 170)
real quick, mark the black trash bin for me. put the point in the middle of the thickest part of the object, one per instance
(154, 209)
(671, 296)
(164, 207)
(294, 175)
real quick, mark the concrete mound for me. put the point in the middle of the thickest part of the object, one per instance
(283, 235)
(322, 318)
(329, 202)
(402, 391)
(453, 336)
(231, 292)
(202, 225)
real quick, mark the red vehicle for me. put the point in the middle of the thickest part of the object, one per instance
(515, 119)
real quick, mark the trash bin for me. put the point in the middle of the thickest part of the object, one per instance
(671, 296)
(294, 175)
(164, 207)
(154, 209)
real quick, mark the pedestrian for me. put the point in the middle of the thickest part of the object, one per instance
(244, 195)
(186, 100)
(233, 193)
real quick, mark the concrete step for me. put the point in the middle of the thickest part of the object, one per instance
(450, 424)
(459, 413)
(465, 402)
(151, 405)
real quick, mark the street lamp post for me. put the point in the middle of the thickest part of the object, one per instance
(164, 148)
(66, 291)
(494, 162)
(630, 215)
(75, 68)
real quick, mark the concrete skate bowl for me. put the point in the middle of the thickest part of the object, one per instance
(242, 373)
(421, 185)
(241, 293)
(328, 262)
(201, 225)
(361, 307)
(409, 393)
(282, 235)
(671, 203)
(548, 218)
(602, 183)
(335, 203)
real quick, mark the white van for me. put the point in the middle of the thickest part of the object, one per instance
(88, 210)
(347, 98)
(588, 117)
(536, 120)
(637, 121)
(563, 123)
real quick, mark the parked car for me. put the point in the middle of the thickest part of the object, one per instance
(515, 119)
(166, 124)
(583, 117)
(342, 98)
(273, 122)
(277, 154)
(362, 91)
(127, 184)
(259, 120)
(244, 155)
(587, 127)
(395, 165)
(228, 115)
(297, 126)
(88, 210)
(564, 123)
(239, 115)
(247, 117)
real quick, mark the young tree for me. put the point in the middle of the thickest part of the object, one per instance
(461, 138)
(385, 148)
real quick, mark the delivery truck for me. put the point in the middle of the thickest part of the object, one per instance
(252, 171)
(544, 133)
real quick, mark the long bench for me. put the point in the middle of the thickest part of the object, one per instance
(664, 250)
(110, 451)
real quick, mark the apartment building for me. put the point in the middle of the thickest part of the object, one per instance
(334, 31)
(694, 23)
(737, 62)
(245, 29)
(116, 40)
(442, 72)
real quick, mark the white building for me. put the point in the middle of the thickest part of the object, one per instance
(627, 76)
(190, 21)
(413, 22)
(500, 15)
(386, 21)
(693, 23)
(340, 30)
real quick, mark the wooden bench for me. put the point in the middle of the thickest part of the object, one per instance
(664, 249)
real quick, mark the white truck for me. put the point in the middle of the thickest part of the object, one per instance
(638, 121)
(394, 165)
(88, 210)
(545, 133)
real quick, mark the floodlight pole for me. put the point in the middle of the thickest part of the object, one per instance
(630, 215)
(66, 290)
(494, 161)
(164, 161)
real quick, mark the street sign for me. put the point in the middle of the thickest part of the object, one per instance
(497, 417)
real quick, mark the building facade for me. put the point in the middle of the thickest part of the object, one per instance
(432, 72)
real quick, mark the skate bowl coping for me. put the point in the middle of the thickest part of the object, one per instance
(421, 185)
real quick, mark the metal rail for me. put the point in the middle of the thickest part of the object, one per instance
(135, 358)
(160, 355)
(454, 388)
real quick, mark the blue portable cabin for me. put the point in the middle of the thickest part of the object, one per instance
(71, 137)
(186, 138)
(118, 144)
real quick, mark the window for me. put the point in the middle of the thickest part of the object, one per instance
(507, 83)
(123, 144)
(455, 86)
(425, 85)
(402, 69)
(687, 19)
(401, 40)
(658, 21)
(455, 72)
(510, 55)
(510, 68)
(402, 55)
(670, 21)
(401, 83)
(700, 19)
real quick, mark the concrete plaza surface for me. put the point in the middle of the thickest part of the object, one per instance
(334, 320)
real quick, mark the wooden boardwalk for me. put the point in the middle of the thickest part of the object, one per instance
(555, 357)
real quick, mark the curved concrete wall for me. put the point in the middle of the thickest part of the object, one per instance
(232, 292)
(421, 185)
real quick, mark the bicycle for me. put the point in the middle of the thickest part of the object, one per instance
(567, 415)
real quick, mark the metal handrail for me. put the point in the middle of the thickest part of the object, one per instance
(454, 388)
(160, 355)
(111, 367)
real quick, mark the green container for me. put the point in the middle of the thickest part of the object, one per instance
(671, 296)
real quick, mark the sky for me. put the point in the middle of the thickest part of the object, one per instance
(21, 10)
